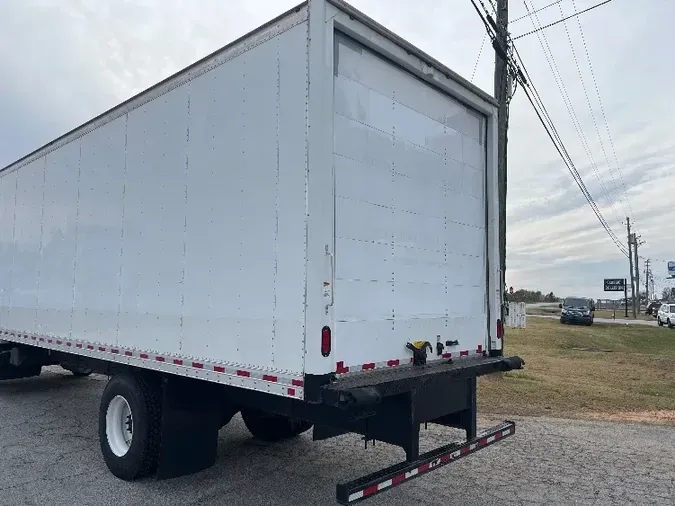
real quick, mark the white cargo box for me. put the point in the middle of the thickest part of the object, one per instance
(319, 173)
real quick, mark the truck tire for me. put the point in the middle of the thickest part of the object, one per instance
(272, 428)
(227, 412)
(129, 426)
(659, 322)
(670, 324)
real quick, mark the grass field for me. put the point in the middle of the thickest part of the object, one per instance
(604, 371)
(621, 314)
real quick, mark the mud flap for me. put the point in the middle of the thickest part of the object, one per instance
(190, 422)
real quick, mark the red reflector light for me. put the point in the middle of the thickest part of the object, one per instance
(325, 341)
(500, 329)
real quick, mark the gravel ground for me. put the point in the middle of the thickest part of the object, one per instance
(49, 455)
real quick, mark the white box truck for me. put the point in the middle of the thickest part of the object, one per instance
(301, 228)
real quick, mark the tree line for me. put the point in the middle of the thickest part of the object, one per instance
(531, 296)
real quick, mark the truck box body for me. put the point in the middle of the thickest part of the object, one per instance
(214, 224)
(301, 227)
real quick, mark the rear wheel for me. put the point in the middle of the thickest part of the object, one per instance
(227, 412)
(671, 325)
(272, 428)
(129, 426)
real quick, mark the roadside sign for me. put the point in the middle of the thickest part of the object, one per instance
(671, 269)
(615, 285)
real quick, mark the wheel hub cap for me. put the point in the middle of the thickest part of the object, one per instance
(119, 426)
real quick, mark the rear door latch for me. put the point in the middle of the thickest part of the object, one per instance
(419, 350)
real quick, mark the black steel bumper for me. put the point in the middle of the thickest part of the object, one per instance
(369, 388)
(391, 405)
(386, 479)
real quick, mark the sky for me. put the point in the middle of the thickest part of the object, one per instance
(66, 61)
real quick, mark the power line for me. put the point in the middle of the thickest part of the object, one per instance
(538, 10)
(480, 52)
(595, 123)
(550, 59)
(548, 127)
(561, 20)
(575, 175)
(652, 259)
(492, 5)
(604, 116)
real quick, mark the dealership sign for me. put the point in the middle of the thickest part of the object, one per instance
(615, 285)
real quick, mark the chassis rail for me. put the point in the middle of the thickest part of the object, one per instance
(385, 479)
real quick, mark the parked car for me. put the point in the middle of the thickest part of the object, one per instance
(653, 308)
(666, 316)
(577, 310)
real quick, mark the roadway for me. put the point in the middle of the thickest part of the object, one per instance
(618, 321)
(49, 455)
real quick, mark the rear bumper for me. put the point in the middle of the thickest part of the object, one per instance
(392, 405)
(369, 388)
(385, 479)
(576, 319)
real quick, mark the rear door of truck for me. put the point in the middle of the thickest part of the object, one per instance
(410, 216)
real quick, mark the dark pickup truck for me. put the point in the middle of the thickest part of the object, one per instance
(578, 310)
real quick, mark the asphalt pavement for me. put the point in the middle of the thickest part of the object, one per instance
(49, 455)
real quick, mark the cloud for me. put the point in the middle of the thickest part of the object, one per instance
(69, 60)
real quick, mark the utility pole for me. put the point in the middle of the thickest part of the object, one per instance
(637, 275)
(647, 281)
(630, 261)
(652, 288)
(625, 298)
(502, 92)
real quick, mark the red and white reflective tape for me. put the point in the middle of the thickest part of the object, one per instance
(341, 368)
(292, 385)
(466, 449)
(466, 353)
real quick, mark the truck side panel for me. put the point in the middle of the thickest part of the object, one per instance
(59, 244)
(175, 231)
(154, 224)
(97, 230)
(245, 255)
(26, 233)
(7, 207)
